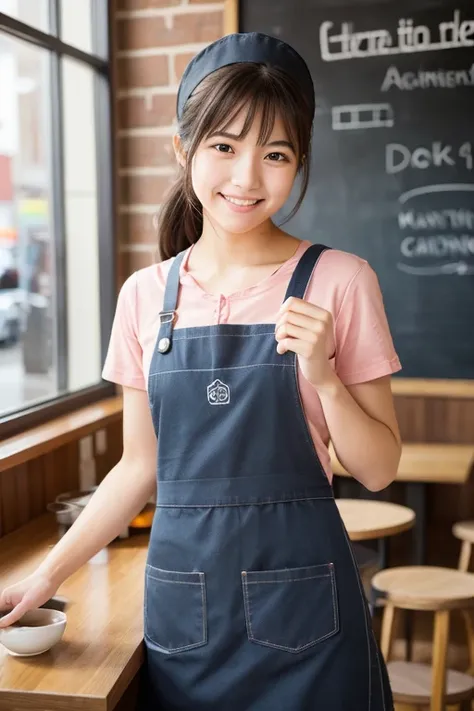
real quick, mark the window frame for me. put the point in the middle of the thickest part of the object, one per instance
(100, 62)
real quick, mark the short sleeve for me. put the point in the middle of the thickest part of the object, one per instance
(364, 346)
(124, 361)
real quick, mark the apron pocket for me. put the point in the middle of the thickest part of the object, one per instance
(291, 609)
(175, 610)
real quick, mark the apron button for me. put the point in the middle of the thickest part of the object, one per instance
(164, 345)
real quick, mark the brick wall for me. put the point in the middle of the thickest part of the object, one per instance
(153, 40)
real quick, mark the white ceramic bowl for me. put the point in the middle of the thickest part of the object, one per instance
(36, 632)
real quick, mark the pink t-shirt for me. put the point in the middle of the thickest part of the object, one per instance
(342, 283)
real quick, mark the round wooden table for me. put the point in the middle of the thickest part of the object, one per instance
(368, 519)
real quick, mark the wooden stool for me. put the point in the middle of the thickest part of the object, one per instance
(464, 530)
(439, 590)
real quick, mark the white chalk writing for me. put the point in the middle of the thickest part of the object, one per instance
(350, 44)
(436, 79)
(440, 188)
(449, 219)
(399, 157)
(439, 251)
(450, 268)
(356, 116)
(452, 246)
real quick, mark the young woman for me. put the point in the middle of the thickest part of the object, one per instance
(242, 354)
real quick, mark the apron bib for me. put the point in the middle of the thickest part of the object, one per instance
(253, 600)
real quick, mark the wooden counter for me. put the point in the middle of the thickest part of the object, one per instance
(102, 647)
(427, 462)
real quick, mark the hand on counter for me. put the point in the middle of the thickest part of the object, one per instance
(27, 594)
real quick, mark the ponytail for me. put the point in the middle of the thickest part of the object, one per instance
(180, 219)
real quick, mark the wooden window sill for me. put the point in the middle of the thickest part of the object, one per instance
(55, 433)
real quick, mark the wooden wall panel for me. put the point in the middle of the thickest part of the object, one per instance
(433, 419)
(37, 486)
(70, 462)
(8, 507)
(25, 490)
(23, 500)
(107, 460)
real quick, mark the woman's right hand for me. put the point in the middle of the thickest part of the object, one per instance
(27, 594)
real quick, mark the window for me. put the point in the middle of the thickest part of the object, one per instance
(56, 232)
(76, 23)
(34, 13)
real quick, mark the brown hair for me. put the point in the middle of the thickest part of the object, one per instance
(213, 106)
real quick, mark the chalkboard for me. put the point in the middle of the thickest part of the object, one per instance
(393, 158)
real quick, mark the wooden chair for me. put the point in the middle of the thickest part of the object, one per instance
(464, 530)
(440, 590)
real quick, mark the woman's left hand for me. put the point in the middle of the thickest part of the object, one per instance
(307, 330)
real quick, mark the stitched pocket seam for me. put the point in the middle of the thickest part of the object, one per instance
(202, 584)
(293, 650)
(287, 580)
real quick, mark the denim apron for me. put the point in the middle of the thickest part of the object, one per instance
(253, 601)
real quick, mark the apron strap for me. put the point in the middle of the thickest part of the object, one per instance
(170, 303)
(303, 271)
(297, 287)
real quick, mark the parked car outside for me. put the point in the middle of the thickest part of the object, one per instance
(11, 311)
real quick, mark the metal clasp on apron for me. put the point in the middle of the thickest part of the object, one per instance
(166, 317)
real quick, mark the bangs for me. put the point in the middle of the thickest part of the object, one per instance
(258, 95)
(269, 111)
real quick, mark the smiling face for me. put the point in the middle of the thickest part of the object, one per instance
(244, 134)
(241, 178)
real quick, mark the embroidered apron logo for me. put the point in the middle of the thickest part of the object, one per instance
(218, 393)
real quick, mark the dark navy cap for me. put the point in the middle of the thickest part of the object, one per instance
(245, 47)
